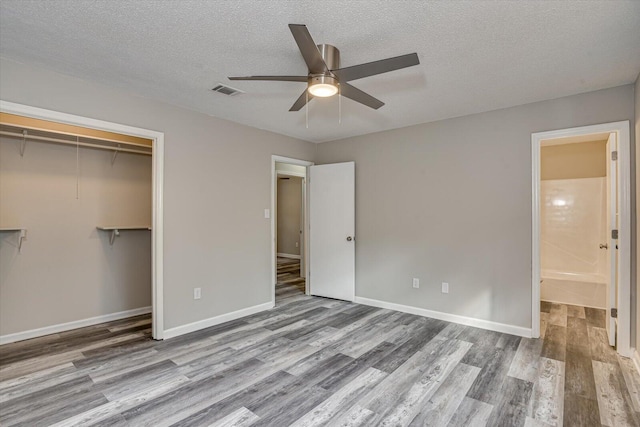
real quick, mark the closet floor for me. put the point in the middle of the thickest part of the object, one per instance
(314, 361)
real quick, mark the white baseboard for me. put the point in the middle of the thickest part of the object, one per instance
(212, 321)
(468, 321)
(292, 256)
(635, 356)
(54, 329)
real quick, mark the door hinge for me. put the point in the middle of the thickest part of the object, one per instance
(614, 313)
(614, 234)
(614, 155)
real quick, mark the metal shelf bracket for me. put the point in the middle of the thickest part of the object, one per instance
(21, 237)
(113, 235)
(115, 154)
(23, 144)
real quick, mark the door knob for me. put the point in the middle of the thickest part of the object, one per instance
(604, 246)
(349, 238)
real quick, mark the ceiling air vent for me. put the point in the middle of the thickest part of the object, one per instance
(227, 90)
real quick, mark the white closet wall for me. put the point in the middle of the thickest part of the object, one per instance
(67, 271)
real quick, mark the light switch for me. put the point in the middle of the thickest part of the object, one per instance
(267, 214)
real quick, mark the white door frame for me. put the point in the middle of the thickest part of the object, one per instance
(157, 185)
(624, 225)
(305, 227)
(303, 181)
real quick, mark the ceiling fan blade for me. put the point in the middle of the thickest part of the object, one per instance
(308, 49)
(376, 67)
(301, 101)
(274, 78)
(357, 95)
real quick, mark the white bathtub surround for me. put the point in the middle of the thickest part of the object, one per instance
(573, 225)
(587, 290)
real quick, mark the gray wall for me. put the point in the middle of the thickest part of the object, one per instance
(289, 211)
(67, 270)
(215, 235)
(451, 201)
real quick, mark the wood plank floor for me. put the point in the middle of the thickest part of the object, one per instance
(314, 361)
(289, 281)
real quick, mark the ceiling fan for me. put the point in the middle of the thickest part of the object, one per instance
(326, 78)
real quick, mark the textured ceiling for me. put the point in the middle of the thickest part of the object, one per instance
(475, 56)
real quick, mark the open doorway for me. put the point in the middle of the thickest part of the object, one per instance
(327, 240)
(581, 233)
(289, 229)
(289, 221)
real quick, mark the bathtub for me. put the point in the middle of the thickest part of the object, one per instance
(589, 290)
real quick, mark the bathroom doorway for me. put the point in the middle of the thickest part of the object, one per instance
(581, 230)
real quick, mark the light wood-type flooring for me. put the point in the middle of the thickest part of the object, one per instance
(313, 361)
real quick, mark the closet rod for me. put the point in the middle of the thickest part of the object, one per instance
(82, 144)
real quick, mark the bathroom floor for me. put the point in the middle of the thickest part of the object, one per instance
(600, 387)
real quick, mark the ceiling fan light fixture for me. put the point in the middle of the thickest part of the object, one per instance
(323, 86)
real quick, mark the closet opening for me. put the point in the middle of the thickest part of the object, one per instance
(80, 225)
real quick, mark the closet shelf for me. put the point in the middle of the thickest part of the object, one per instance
(21, 236)
(114, 230)
(29, 128)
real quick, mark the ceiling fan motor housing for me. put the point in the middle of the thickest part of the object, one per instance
(322, 79)
(331, 56)
(325, 84)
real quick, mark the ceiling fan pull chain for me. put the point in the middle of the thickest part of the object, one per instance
(339, 105)
(306, 109)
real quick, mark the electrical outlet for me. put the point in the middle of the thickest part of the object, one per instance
(197, 293)
(416, 282)
(445, 288)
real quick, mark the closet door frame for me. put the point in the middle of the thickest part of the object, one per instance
(157, 255)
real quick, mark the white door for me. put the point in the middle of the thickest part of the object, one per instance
(612, 224)
(332, 230)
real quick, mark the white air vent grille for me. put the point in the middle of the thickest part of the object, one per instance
(227, 90)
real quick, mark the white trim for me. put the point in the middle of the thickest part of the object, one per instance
(212, 321)
(624, 225)
(636, 359)
(54, 329)
(454, 318)
(274, 277)
(157, 232)
(294, 174)
(292, 256)
(157, 239)
(535, 238)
